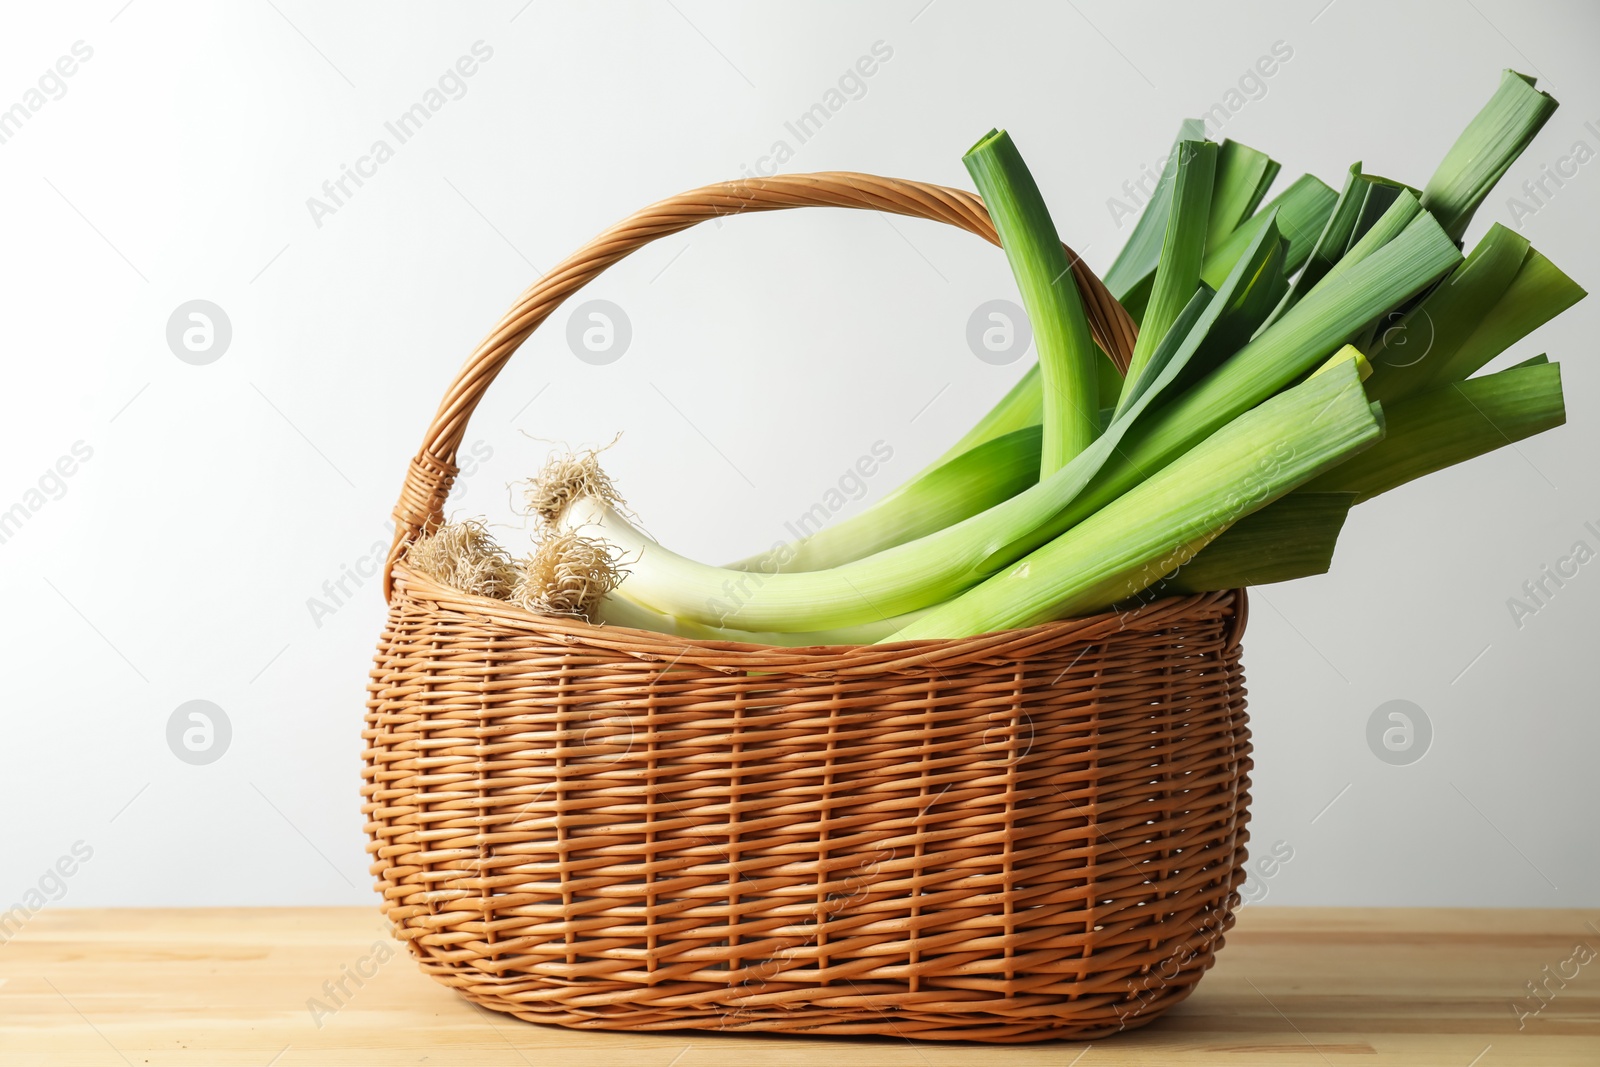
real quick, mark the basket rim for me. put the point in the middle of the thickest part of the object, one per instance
(411, 585)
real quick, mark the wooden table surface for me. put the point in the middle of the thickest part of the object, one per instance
(1293, 986)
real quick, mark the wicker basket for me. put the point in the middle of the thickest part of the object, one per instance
(1029, 834)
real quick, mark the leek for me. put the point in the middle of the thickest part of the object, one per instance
(1136, 540)
(1182, 251)
(1305, 336)
(1452, 424)
(1502, 292)
(1482, 153)
(1129, 275)
(1353, 216)
(1245, 314)
(1485, 150)
(1301, 212)
(924, 572)
(1228, 454)
(1243, 177)
(1538, 293)
(617, 609)
(1348, 352)
(1022, 406)
(912, 575)
(1068, 356)
(958, 489)
(1402, 210)
(1292, 537)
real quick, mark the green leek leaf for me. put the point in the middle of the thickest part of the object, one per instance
(1347, 225)
(1068, 357)
(1502, 291)
(1182, 252)
(1301, 212)
(1452, 424)
(1164, 522)
(942, 496)
(1243, 177)
(1492, 141)
(1292, 537)
(1284, 351)
(1135, 265)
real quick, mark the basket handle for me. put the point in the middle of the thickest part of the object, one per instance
(433, 469)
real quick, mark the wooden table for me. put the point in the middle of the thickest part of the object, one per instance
(1293, 986)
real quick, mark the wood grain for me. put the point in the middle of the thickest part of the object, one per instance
(1294, 986)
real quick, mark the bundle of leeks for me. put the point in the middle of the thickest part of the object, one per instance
(1293, 360)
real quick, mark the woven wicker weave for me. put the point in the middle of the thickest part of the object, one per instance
(1029, 834)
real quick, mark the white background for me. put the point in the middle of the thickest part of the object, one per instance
(767, 355)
